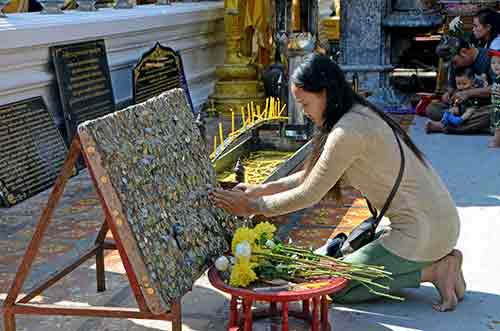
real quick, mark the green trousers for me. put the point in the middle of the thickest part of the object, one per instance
(405, 273)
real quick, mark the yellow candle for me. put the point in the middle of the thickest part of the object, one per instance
(221, 135)
(249, 114)
(282, 109)
(279, 106)
(243, 117)
(258, 111)
(271, 112)
(267, 105)
(232, 121)
(215, 144)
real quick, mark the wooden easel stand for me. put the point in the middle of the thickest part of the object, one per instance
(14, 305)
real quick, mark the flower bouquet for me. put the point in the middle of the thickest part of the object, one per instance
(258, 255)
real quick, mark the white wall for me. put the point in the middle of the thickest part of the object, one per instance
(194, 29)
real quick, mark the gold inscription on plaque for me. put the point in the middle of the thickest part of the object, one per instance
(88, 52)
(88, 90)
(31, 149)
(86, 76)
(89, 96)
(157, 72)
(82, 63)
(84, 69)
(90, 82)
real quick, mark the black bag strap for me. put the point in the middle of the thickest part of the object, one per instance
(378, 217)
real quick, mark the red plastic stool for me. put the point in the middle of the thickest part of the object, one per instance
(317, 317)
(425, 100)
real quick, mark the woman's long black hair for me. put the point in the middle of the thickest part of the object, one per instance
(488, 16)
(319, 72)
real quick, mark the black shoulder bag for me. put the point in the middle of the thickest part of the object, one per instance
(365, 232)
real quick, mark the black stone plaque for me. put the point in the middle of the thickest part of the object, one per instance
(84, 82)
(32, 150)
(160, 69)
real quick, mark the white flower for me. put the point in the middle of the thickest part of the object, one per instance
(222, 263)
(270, 244)
(456, 24)
(243, 249)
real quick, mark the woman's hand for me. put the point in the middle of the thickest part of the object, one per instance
(234, 202)
(252, 190)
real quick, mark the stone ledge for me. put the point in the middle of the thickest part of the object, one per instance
(34, 29)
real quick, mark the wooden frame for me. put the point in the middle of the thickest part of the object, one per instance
(14, 305)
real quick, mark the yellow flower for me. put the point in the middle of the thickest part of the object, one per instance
(265, 227)
(242, 274)
(243, 234)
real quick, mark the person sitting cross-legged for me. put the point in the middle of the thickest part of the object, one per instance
(463, 55)
(461, 112)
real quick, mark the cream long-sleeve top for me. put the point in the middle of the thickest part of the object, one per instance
(363, 151)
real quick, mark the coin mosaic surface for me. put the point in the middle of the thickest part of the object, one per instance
(158, 166)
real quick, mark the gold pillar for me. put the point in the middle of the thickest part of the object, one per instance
(337, 7)
(233, 30)
(296, 26)
(237, 83)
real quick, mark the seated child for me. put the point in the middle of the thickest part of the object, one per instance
(459, 113)
(495, 98)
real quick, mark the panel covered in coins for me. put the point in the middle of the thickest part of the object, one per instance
(159, 167)
(32, 150)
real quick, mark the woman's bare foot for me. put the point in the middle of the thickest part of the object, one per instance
(492, 144)
(460, 286)
(445, 275)
(433, 126)
(495, 142)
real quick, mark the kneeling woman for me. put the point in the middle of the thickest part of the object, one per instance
(356, 143)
